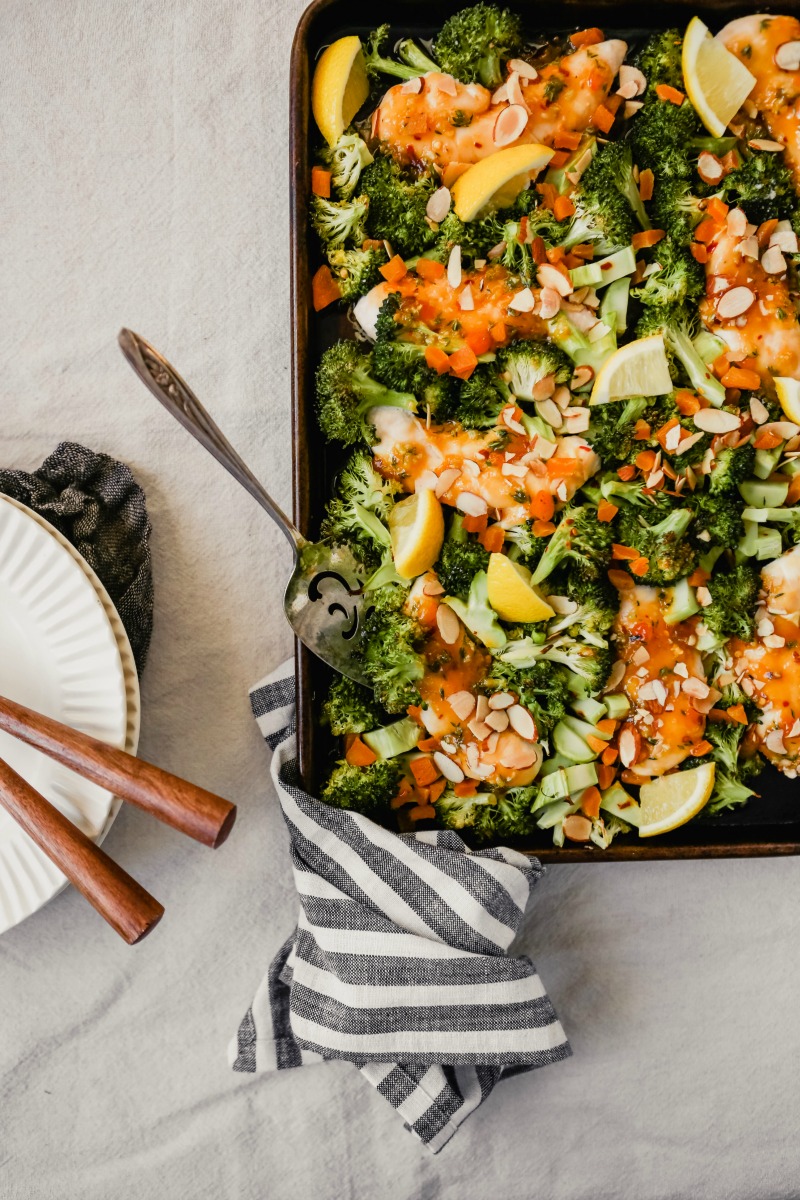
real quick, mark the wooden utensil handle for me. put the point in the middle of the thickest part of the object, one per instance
(119, 899)
(176, 802)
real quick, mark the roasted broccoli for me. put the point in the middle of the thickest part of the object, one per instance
(470, 814)
(526, 546)
(397, 203)
(526, 363)
(762, 184)
(356, 270)
(481, 398)
(410, 62)
(717, 519)
(734, 597)
(602, 216)
(350, 708)
(613, 427)
(732, 769)
(356, 514)
(476, 238)
(731, 467)
(582, 539)
(401, 365)
(614, 164)
(390, 645)
(662, 132)
(345, 161)
(339, 221)
(474, 43)
(367, 790)
(542, 688)
(679, 280)
(669, 552)
(459, 559)
(677, 328)
(346, 391)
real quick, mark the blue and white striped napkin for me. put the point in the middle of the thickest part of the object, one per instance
(399, 960)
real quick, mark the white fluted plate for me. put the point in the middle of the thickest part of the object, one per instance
(63, 652)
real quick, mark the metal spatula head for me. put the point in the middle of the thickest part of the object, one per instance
(324, 598)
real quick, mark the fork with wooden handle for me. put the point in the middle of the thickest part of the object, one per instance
(188, 808)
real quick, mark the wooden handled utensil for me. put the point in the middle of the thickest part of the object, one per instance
(190, 809)
(124, 903)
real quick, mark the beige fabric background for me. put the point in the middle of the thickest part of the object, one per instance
(144, 180)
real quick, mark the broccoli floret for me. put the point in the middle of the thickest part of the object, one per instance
(475, 43)
(390, 648)
(356, 271)
(460, 560)
(481, 398)
(542, 688)
(732, 770)
(734, 594)
(582, 539)
(669, 553)
(717, 514)
(602, 214)
(367, 790)
(679, 280)
(356, 515)
(527, 363)
(339, 221)
(731, 467)
(677, 328)
(675, 207)
(350, 708)
(478, 615)
(401, 365)
(511, 817)
(588, 665)
(662, 132)
(659, 59)
(397, 205)
(614, 163)
(345, 161)
(346, 391)
(476, 238)
(598, 604)
(518, 234)
(472, 813)
(526, 546)
(413, 61)
(612, 428)
(762, 184)
(387, 327)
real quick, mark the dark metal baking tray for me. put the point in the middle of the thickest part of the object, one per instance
(767, 826)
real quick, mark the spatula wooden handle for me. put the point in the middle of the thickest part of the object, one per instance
(119, 899)
(192, 810)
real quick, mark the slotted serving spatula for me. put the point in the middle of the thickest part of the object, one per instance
(324, 596)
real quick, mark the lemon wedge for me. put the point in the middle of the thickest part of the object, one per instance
(638, 369)
(339, 88)
(416, 526)
(496, 181)
(673, 800)
(510, 592)
(716, 82)
(788, 392)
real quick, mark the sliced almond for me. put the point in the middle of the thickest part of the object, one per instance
(772, 261)
(682, 670)
(549, 303)
(479, 729)
(748, 247)
(501, 700)
(447, 84)
(616, 677)
(516, 752)
(426, 481)
(627, 90)
(446, 481)
(715, 420)
(438, 206)
(451, 770)
(466, 301)
(549, 276)
(514, 91)
(454, 267)
(549, 411)
(766, 144)
(672, 438)
(581, 376)
(734, 302)
(784, 429)
(787, 56)
(695, 687)
(577, 828)
(497, 720)
(462, 704)
(629, 744)
(482, 707)
(631, 108)
(736, 222)
(448, 624)
(765, 627)
(432, 588)
(577, 420)
(628, 74)
(704, 597)
(510, 124)
(785, 240)
(412, 86)
(522, 301)
(472, 505)
(774, 641)
(544, 387)
(522, 68)
(522, 722)
(709, 167)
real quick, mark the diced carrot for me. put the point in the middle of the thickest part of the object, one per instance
(607, 725)
(372, 244)
(542, 506)
(584, 251)
(436, 789)
(595, 743)
(463, 362)
(324, 289)
(548, 192)
(602, 118)
(640, 567)
(645, 460)
(647, 237)
(699, 252)
(720, 364)
(706, 231)
(563, 208)
(587, 37)
(423, 794)
(403, 798)
(629, 776)
(415, 712)
(737, 713)
(620, 579)
(698, 577)
(321, 182)
(606, 511)
(641, 431)
(766, 439)
(559, 158)
(563, 468)
(738, 377)
(466, 788)
(590, 802)
(394, 270)
(429, 268)
(613, 102)
(422, 812)
(359, 755)
(492, 538)
(605, 774)
(609, 756)
(479, 341)
(717, 209)
(542, 528)
(626, 472)
(436, 358)
(428, 744)
(661, 434)
(766, 230)
(424, 771)
(646, 181)
(427, 312)
(556, 255)
(567, 139)
(688, 404)
(671, 94)
(475, 524)
(701, 748)
(623, 552)
(793, 495)
(538, 250)
(499, 332)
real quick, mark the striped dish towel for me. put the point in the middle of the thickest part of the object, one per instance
(399, 960)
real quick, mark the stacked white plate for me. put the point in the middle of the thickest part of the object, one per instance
(63, 652)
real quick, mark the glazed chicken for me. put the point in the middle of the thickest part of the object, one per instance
(441, 121)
